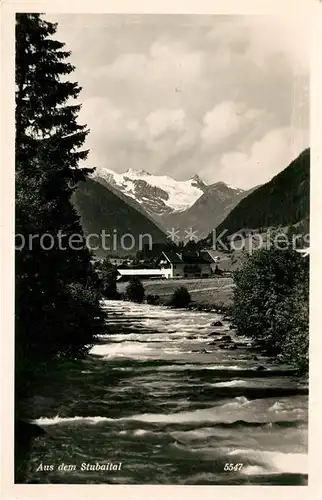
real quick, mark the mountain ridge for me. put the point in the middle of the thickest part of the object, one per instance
(158, 194)
(282, 201)
(174, 204)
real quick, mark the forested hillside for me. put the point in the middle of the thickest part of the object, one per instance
(101, 209)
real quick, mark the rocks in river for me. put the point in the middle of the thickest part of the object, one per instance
(279, 359)
(225, 338)
(216, 342)
(255, 358)
(260, 368)
(240, 344)
(229, 347)
(226, 342)
(232, 327)
(217, 323)
(212, 334)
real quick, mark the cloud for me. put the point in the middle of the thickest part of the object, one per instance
(261, 38)
(288, 36)
(225, 120)
(167, 66)
(165, 120)
(222, 96)
(266, 157)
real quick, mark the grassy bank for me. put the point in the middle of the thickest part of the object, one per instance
(204, 292)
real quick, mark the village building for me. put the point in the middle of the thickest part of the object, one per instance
(118, 261)
(198, 264)
(176, 265)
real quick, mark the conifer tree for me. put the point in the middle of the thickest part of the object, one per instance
(57, 302)
(57, 305)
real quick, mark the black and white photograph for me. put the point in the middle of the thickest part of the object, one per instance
(162, 249)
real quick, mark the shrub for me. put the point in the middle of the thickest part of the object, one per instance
(270, 303)
(295, 347)
(135, 290)
(221, 306)
(180, 298)
(152, 299)
(106, 279)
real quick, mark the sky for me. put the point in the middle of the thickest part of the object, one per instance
(224, 97)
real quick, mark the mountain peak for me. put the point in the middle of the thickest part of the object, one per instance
(221, 184)
(136, 173)
(199, 183)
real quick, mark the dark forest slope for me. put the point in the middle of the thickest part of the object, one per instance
(101, 209)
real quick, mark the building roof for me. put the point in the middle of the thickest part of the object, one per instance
(173, 257)
(190, 257)
(208, 257)
(217, 255)
(186, 257)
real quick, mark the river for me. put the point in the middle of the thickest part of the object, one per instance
(165, 406)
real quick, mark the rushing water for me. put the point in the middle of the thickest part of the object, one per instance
(158, 398)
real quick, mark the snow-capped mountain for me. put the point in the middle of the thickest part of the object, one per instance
(173, 204)
(157, 194)
(208, 211)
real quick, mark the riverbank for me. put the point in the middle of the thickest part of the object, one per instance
(214, 295)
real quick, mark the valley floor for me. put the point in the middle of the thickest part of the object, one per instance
(207, 291)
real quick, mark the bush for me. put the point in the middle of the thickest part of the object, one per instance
(271, 303)
(106, 279)
(152, 299)
(294, 311)
(135, 290)
(180, 298)
(221, 306)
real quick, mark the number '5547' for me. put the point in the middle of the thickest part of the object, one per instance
(232, 467)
